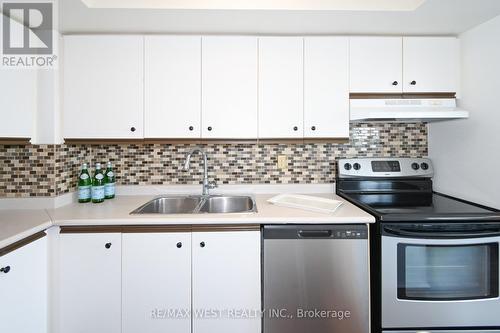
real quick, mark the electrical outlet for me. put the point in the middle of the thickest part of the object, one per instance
(282, 162)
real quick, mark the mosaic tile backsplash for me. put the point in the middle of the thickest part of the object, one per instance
(50, 170)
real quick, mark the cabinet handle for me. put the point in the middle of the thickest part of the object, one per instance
(395, 83)
(209, 128)
(179, 245)
(132, 129)
(295, 128)
(313, 128)
(5, 269)
(413, 83)
(107, 245)
(202, 244)
(191, 128)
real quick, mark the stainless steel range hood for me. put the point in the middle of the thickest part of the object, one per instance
(406, 110)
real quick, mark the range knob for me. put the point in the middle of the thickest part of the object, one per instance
(415, 166)
(356, 166)
(424, 166)
(347, 166)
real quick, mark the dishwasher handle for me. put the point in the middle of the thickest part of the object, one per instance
(314, 233)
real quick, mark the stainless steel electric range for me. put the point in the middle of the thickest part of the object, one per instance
(435, 258)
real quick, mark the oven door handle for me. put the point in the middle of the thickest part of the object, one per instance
(402, 232)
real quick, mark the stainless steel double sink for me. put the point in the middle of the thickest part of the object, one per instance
(198, 204)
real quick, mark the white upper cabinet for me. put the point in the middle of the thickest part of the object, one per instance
(376, 64)
(90, 283)
(430, 64)
(103, 87)
(226, 276)
(172, 81)
(18, 103)
(326, 87)
(23, 286)
(156, 277)
(281, 82)
(229, 88)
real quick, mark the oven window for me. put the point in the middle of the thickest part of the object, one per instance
(444, 272)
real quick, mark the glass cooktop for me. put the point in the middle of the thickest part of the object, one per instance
(421, 207)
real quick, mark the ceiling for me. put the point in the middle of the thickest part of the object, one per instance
(433, 17)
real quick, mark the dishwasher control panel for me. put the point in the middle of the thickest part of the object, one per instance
(351, 234)
(316, 231)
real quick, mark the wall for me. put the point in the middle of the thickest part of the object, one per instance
(50, 170)
(466, 153)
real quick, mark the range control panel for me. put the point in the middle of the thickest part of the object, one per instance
(385, 167)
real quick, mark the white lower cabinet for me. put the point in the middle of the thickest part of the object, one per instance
(23, 288)
(226, 282)
(156, 278)
(155, 282)
(90, 283)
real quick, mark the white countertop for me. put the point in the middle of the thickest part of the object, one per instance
(117, 212)
(19, 224)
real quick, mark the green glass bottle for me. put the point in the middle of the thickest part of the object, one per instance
(109, 187)
(98, 185)
(84, 185)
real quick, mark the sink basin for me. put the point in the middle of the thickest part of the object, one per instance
(170, 205)
(213, 204)
(228, 204)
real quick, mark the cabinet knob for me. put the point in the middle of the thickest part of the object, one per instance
(295, 128)
(5, 269)
(179, 245)
(313, 128)
(132, 129)
(413, 82)
(209, 128)
(395, 83)
(202, 244)
(107, 245)
(191, 128)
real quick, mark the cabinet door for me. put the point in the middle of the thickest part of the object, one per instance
(156, 294)
(172, 87)
(281, 83)
(90, 283)
(376, 64)
(226, 277)
(103, 87)
(326, 87)
(229, 87)
(430, 64)
(23, 289)
(18, 103)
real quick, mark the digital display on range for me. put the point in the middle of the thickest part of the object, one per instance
(386, 166)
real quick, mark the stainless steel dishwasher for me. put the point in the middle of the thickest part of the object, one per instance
(316, 279)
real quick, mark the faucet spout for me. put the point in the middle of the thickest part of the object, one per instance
(206, 184)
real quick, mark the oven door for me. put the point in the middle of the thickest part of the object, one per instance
(443, 277)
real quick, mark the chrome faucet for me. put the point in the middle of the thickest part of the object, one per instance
(207, 185)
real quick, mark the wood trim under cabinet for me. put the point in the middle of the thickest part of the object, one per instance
(158, 228)
(89, 229)
(15, 141)
(21, 243)
(401, 95)
(155, 228)
(204, 142)
(225, 227)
